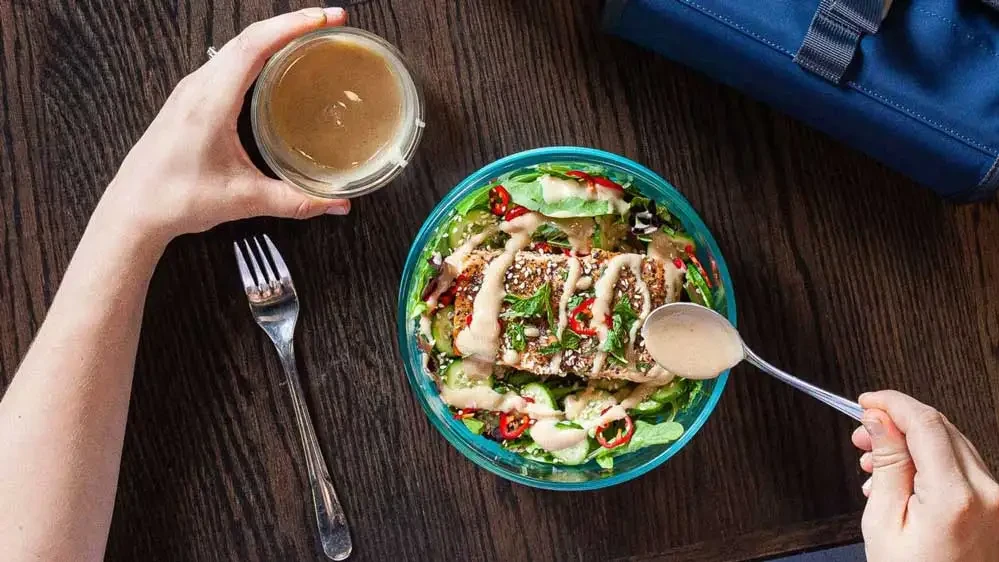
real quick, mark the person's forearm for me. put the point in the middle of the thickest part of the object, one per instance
(62, 420)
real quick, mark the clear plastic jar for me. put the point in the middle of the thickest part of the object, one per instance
(310, 176)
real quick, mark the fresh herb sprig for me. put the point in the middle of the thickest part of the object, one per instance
(538, 305)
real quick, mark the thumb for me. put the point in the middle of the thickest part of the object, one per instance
(894, 471)
(275, 198)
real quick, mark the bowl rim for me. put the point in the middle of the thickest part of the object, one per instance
(450, 431)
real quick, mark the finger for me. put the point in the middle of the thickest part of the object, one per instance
(866, 488)
(925, 433)
(892, 468)
(867, 462)
(969, 459)
(861, 439)
(240, 60)
(273, 198)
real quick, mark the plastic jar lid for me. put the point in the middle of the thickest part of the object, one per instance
(310, 176)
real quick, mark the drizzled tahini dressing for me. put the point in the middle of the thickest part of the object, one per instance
(605, 295)
(662, 247)
(453, 264)
(481, 339)
(554, 190)
(483, 397)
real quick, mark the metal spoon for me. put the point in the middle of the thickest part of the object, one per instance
(711, 322)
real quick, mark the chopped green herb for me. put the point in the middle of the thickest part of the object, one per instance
(552, 235)
(474, 425)
(623, 318)
(570, 339)
(643, 366)
(575, 301)
(551, 349)
(537, 305)
(515, 332)
(568, 425)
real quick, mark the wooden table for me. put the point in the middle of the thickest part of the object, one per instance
(844, 272)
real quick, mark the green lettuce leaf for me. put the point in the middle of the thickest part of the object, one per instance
(474, 425)
(646, 435)
(530, 195)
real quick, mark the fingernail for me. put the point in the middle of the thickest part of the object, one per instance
(866, 486)
(874, 427)
(334, 13)
(339, 208)
(314, 13)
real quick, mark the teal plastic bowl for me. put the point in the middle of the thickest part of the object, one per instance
(488, 454)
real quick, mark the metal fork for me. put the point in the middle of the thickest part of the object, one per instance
(274, 305)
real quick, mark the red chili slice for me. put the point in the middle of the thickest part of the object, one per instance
(679, 264)
(468, 320)
(515, 212)
(602, 182)
(499, 200)
(512, 426)
(579, 326)
(622, 436)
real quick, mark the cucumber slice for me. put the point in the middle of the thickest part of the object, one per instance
(592, 405)
(441, 330)
(646, 407)
(455, 377)
(573, 455)
(697, 287)
(667, 393)
(472, 223)
(539, 393)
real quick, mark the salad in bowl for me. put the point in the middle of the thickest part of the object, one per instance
(525, 306)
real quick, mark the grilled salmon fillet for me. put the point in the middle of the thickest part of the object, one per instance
(530, 272)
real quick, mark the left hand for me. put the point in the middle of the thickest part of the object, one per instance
(188, 172)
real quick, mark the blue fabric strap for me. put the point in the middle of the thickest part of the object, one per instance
(834, 34)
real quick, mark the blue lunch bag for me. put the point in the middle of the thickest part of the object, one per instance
(913, 83)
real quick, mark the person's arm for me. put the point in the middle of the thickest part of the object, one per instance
(62, 419)
(931, 497)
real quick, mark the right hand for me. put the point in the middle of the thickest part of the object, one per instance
(930, 497)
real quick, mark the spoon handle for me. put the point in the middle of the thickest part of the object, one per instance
(848, 407)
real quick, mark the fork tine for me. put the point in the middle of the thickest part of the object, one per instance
(244, 272)
(256, 267)
(282, 268)
(267, 265)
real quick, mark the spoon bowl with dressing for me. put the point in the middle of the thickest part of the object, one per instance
(696, 342)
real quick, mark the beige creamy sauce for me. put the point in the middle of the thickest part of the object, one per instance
(693, 346)
(453, 264)
(604, 297)
(481, 339)
(485, 398)
(579, 231)
(555, 189)
(662, 247)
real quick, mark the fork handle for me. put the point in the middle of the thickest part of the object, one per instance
(333, 531)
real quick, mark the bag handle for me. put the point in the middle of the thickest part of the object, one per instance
(835, 32)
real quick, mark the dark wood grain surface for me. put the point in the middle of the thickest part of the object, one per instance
(844, 272)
